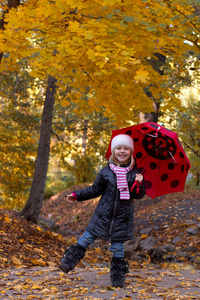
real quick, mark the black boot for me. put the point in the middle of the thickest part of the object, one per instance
(118, 270)
(72, 257)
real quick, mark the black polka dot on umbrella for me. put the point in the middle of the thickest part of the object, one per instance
(175, 183)
(144, 128)
(136, 140)
(181, 154)
(182, 168)
(164, 177)
(128, 132)
(141, 170)
(153, 165)
(139, 155)
(148, 184)
(171, 166)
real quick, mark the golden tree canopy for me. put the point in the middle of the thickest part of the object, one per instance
(103, 45)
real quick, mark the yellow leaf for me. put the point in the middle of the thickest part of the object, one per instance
(73, 26)
(89, 35)
(98, 250)
(16, 261)
(64, 102)
(3, 259)
(39, 228)
(99, 48)
(2, 47)
(91, 54)
(7, 219)
(35, 287)
(45, 290)
(51, 264)
(38, 262)
(110, 288)
(84, 290)
(38, 250)
(141, 76)
(18, 287)
(60, 238)
(143, 236)
(109, 2)
(75, 3)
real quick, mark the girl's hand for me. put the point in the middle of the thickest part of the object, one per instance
(139, 177)
(70, 198)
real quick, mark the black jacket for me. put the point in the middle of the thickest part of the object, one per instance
(112, 218)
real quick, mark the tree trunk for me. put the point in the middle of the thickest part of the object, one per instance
(84, 137)
(152, 116)
(157, 64)
(148, 117)
(33, 206)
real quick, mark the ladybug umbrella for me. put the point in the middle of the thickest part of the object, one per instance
(160, 158)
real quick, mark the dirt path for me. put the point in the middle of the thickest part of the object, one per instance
(94, 283)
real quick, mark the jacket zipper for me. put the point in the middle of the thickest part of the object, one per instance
(114, 211)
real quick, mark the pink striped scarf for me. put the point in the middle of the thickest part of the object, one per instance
(122, 184)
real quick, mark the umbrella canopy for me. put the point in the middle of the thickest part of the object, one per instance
(159, 156)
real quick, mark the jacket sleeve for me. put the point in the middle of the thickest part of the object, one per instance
(95, 190)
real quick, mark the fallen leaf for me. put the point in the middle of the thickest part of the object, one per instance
(16, 261)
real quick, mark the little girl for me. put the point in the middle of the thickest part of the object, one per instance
(113, 218)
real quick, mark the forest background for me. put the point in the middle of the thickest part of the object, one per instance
(72, 71)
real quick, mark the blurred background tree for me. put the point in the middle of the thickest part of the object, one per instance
(80, 139)
(109, 65)
(186, 120)
(20, 105)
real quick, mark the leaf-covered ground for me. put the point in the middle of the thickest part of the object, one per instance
(25, 244)
(171, 214)
(94, 283)
(30, 254)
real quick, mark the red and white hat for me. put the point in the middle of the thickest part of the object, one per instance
(122, 139)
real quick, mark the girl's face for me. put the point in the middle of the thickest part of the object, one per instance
(122, 154)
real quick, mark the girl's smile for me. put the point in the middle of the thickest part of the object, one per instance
(122, 154)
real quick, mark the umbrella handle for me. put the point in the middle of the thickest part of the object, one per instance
(135, 183)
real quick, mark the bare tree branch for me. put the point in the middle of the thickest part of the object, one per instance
(195, 152)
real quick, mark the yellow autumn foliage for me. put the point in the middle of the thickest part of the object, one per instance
(104, 45)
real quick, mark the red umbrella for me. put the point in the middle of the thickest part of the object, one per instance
(159, 156)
